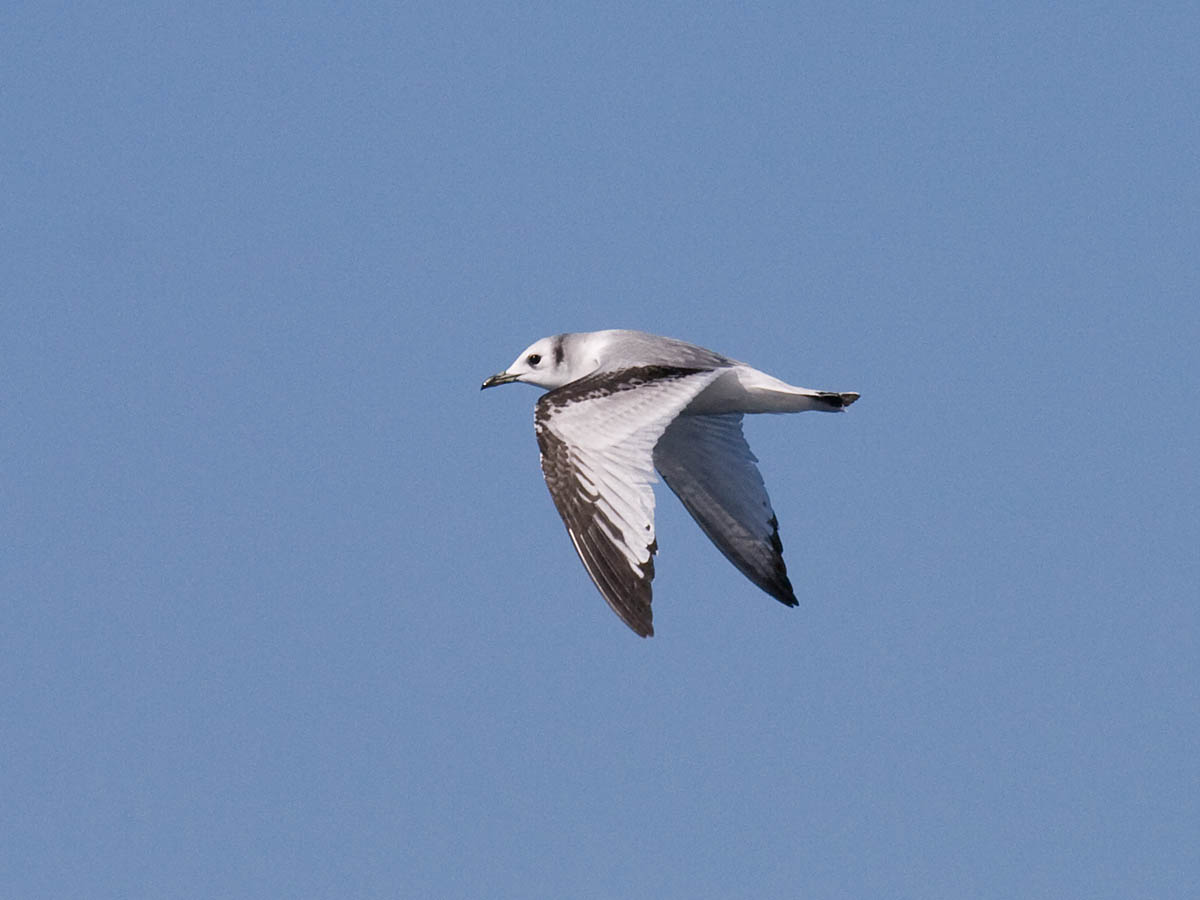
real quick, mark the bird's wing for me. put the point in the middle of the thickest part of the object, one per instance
(706, 461)
(597, 437)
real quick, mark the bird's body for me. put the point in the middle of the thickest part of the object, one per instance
(622, 404)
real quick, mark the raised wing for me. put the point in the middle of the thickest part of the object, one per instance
(597, 437)
(706, 461)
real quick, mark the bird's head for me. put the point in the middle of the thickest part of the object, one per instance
(548, 363)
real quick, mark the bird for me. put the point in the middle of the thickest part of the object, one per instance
(620, 406)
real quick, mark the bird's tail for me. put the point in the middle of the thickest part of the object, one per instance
(747, 390)
(765, 393)
(832, 401)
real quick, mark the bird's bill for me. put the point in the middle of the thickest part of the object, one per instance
(499, 378)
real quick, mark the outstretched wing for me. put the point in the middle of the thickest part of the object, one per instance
(706, 461)
(597, 438)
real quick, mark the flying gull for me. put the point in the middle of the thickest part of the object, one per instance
(621, 404)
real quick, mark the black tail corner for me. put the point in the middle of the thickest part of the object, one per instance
(837, 400)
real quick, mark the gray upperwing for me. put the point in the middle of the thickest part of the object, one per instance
(597, 438)
(706, 461)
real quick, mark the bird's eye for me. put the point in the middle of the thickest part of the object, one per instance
(533, 358)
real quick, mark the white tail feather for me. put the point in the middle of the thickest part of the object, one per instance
(746, 390)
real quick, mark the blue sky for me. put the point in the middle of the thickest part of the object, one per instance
(285, 608)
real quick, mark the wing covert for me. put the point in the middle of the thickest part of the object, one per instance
(597, 437)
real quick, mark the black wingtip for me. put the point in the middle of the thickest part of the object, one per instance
(781, 589)
(639, 619)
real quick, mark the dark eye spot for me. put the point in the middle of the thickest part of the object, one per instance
(533, 358)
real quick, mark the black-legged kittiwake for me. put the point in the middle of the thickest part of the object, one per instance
(621, 404)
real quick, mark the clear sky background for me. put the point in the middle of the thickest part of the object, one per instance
(285, 607)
